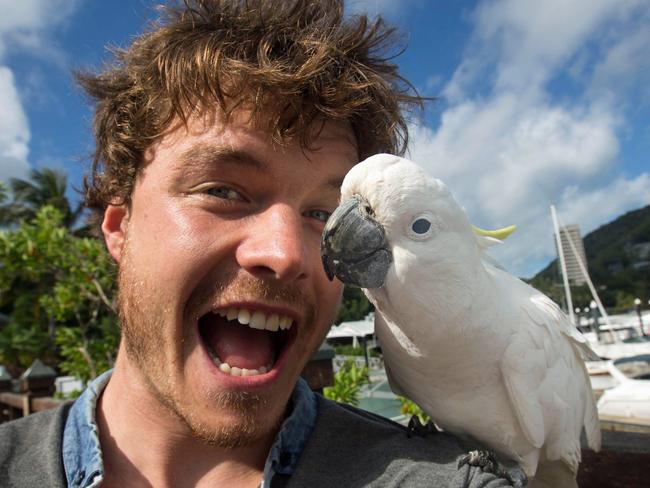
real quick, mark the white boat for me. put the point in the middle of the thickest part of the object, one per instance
(628, 402)
(619, 350)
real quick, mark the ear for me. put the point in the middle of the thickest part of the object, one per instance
(116, 218)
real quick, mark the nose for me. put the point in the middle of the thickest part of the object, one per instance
(273, 246)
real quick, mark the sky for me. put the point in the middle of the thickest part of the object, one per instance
(537, 102)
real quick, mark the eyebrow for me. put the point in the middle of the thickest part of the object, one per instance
(207, 155)
(204, 154)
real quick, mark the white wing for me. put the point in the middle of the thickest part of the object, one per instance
(547, 382)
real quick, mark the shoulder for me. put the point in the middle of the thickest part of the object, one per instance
(30, 449)
(362, 427)
(355, 448)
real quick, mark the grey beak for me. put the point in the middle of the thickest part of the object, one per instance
(354, 247)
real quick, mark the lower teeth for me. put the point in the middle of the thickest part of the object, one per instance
(234, 370)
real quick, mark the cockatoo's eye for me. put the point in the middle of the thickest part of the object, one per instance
(421, 226)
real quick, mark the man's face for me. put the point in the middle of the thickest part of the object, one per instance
(223, 298)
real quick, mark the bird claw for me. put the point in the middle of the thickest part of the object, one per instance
(416, 427)
(488, 464)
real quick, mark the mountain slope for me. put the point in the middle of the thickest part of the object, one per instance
(618, 256)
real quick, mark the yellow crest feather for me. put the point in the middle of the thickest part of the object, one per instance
(500, 234)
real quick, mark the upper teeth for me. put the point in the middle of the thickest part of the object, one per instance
(257, 319)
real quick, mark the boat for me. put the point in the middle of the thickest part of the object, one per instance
(626, 404)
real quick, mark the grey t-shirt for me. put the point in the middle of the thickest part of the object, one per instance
(353, 448)
(348, 448)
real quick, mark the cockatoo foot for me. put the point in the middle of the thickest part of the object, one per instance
(488, 463)
(416, 427)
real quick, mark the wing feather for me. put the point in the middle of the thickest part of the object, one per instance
(522, 370)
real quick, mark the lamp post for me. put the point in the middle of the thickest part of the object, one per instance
(578, 317)
(637, 306)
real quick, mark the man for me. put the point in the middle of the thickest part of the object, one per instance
(222, 137)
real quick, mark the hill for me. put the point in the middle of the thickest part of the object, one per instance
(618, 257)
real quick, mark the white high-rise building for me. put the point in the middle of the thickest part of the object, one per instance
(572, 233)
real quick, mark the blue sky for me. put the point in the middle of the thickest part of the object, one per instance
(539, 102)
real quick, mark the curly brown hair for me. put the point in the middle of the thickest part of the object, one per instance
(302, 57)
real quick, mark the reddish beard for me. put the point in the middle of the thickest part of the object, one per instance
(145, 327)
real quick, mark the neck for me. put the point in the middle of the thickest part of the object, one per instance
(145, 444)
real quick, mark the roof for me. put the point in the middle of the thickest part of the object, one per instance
(359, 328)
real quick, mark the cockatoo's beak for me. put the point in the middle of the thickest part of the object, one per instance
(354, 247)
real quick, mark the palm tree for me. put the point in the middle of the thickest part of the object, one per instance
(45, 186)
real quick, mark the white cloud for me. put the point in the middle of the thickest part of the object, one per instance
(25, 27)
(499, 154)
(29, 24)
(624, 65)
(14, 129)
(528, 41)
(508, 148)
(383, 7)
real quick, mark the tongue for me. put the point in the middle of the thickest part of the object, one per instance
(239, 345)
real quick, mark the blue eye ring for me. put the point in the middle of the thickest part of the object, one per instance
(421, 226)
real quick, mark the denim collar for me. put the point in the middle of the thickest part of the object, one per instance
(82, 455)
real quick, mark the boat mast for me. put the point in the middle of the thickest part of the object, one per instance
(592, 288)
(565, 277)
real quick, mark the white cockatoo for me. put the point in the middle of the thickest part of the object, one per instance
(483, 353)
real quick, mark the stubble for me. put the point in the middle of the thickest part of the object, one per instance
(143, 321)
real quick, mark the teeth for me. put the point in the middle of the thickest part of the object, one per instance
(232, 313)
(273, 322)
(234, 370)
(244, 316)
(257, 319)
(285, 322)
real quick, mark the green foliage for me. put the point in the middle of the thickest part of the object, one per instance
(615, 262)
(21, 345)
(348, 381)
(410, 408)
(67, 396)
(86, 356)
(56, 285)
(355, 305)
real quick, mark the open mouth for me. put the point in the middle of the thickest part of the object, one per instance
(243, 342)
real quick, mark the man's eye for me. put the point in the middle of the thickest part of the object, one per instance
(224, 192)
(321, 215)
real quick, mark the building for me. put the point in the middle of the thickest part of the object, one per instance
(571, 234)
